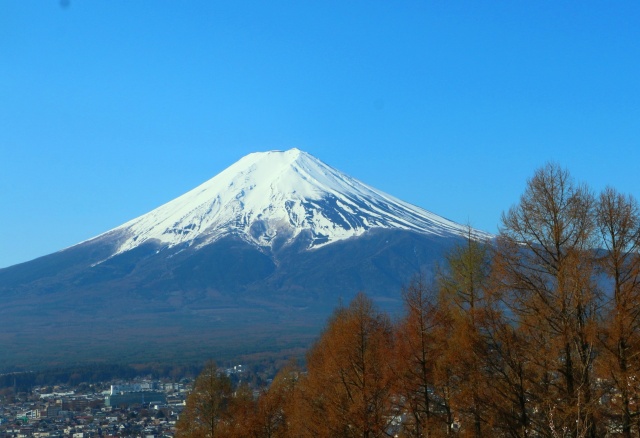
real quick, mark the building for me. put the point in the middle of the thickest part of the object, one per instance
(126, 399)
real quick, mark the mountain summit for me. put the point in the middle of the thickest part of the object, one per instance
(269, 199)
(253, 260)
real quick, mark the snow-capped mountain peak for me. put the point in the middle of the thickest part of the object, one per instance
(270, 197)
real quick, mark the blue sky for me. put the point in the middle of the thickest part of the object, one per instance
(109, 109)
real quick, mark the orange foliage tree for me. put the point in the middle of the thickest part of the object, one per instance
(348, 388)
(206, 412)
(618, 219)
(419, 344)
(465, 294)
(546, 257)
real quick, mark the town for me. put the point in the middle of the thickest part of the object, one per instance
(141, 407)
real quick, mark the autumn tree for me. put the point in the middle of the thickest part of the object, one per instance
(418, 346)
(447, 376)
(618, 220)
(206, 407)
(465, 294)
(508, 378)
(347, 392)
(240, 415)
(276, 413)
(546, 256)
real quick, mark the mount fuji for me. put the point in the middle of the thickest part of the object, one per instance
(270, 199)
(252, 260)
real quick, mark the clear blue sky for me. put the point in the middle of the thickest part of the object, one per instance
(109, 109)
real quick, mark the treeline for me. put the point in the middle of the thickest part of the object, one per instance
(92, 373)
(534, 334)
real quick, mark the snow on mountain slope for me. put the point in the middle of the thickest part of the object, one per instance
(270, 197)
